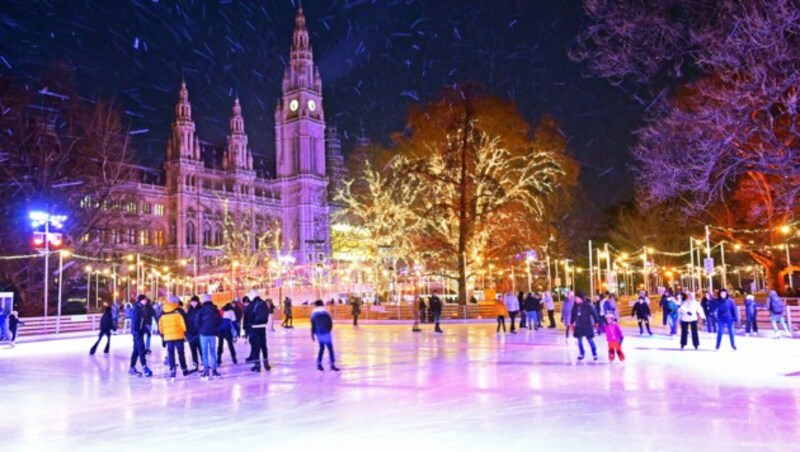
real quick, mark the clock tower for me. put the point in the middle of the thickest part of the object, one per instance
(300, 154)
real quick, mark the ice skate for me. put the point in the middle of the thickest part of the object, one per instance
(133, 372)
(147, 372)
(215, 374)
(334, 368)
(320, 368)
(172, 373)
(186, 372)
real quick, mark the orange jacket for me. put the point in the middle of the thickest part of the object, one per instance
(171, 324)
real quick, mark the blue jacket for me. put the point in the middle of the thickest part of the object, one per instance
(321, 322)
(725, 309)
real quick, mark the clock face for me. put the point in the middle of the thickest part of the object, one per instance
(294, 104)
(312, 105)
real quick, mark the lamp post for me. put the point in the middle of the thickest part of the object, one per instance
(708, 256)
(45, 219)
(88, 287)
(61, 256)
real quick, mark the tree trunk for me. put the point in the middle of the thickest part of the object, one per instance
(772, 271)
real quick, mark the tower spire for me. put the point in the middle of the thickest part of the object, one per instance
(301, 48)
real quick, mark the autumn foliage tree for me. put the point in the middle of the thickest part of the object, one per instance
(721, 82)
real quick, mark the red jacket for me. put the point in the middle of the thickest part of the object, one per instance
(613, 333)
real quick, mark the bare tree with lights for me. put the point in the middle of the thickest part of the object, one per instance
(721, 82)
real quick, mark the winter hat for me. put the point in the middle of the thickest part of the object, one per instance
(750, 297)
(253, 294)
(194, 298)
(174, 299)
(206, 297)
(141, 297)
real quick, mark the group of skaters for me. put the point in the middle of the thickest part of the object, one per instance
(206, 328)
(9, 325)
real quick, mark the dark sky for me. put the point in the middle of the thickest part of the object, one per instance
(376, 58)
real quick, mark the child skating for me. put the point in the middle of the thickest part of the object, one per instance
(614, 338)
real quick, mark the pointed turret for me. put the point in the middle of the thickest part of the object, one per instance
(238, 155)
(183, 143)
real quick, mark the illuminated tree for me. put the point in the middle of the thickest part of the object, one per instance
(248, 248)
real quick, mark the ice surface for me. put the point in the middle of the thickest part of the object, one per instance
(468, 389)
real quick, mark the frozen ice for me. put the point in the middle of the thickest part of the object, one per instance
(467, 389)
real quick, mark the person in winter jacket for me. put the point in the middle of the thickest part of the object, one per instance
(663, 304)
(148, 315)
(139, 328)
(709, 309)
(107, 326)
(128, 311)
(356, 310)
(207, 322)
(271, 312)
(551, 308)
(192, 336)
(673, 302)
(584, 319)
(501, 315)
(512, 306)
(115, 314)
(750, 313)
(776, 306)
(689, 313)
(436, 312)
(13, 326)
(225, 333)
(614, 338)
(641, 310)
(287, 313)
(259, 317)
(566, 311)
(172, 327)
(725, 311)
(532, 308)
(321, 327)
(610, 307)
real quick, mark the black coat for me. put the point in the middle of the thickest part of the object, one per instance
(191, 323)
(248, 316)
(260, 312)
(584, 317)
(208, 319)
(107, 324)
(641, 310)
(436, 305)
(138, 321)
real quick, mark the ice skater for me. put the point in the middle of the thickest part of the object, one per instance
(551, 308)
(775, 306)
(501, 315)
(584, 321)
(225, 333)
(641, 310)
(192, 337)
(207, 322)
(614, 338)
(259, 317)
(725, 311)
(172, 327)
(287, 313)
(138, 330)
(356, 311)
(321, 327)
(107, 326)
(672, 312)
(751, 313)
(13, 325)
(512, 306)
(436, 312)
(566, 311)
(690, 313)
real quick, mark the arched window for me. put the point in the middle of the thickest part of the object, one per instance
(207, 235)
(190, 234)
(219, 237)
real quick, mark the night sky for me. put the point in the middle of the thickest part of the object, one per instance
(376, 58)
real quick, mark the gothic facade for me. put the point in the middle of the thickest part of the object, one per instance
(184, 218)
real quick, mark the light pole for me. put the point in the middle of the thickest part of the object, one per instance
(45, 219)
(724, 268)
(61, 256)
(710, 275)
(528, 261)
(88, 287)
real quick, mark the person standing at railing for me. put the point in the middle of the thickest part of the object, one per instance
(107, 326)
(776, 306)
(750, 312)
(356, 311)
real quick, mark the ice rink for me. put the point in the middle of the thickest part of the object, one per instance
(468, 389)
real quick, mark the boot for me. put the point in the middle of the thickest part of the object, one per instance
(319, 368)
(92, 350)
(133, 372)
(215, 374)
(334, 368)
(147, 372)
(186, 372)
(106, 349)
(172, 373)
(204, 375)
(256, 368)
